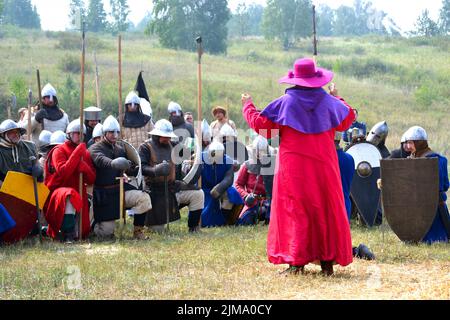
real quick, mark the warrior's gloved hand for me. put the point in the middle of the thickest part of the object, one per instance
(121, 164)
(40, 115)
(37, 172)
(180, 186)
(162, 169)
(250, 200)
(84, 167)
(216, 192)
(133, 171)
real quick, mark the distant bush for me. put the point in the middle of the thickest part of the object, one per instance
(72, 64)
(426, 94)
(72, 41)
(68, 41)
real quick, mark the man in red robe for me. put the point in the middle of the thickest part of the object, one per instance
(63, 167)
(308, 218)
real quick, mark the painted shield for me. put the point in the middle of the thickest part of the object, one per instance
(364, 190)
(23, 213)
(20, 185)
(410, 196)
(17, 196)
(133, 156)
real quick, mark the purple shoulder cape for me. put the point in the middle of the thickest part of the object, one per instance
(309, 111)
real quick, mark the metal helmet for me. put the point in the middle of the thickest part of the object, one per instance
(415, 133)
(132, 98)
(44, 138)
(93, 114)
(403, 139)
(260, 145)
(174, 107)
(146, 107)
(206, 131)
(9, 125)
(378, 133)
(111, 124)
(98, 131)
(227, 131)
(48, 91)
(163, 128)
(74, 126)
(57, 138)
(216, 150)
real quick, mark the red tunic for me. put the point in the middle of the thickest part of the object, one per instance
(67, 162)
(308, 219)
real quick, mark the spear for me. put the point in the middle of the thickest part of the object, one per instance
(120, 83)
(199, 108)
(38, 75)
(97, 82)
(314, 33)
(83, 57)
(30, 105)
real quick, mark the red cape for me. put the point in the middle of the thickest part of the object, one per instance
(62, 173)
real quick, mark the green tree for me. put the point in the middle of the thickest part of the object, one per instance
(287, 20)
(96, 16)
(1, 11)
(246, 21)
(21, 13)
(425, 26)
(345, 17)
(77, 13)
(444, 17)
(178, 22)
(119, 13)
(325, 20)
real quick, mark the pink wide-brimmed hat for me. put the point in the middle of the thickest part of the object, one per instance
(306, 74)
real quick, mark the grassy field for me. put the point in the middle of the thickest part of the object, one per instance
(404, 82)
(222, 263)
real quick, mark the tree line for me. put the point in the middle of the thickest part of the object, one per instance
(177, 22)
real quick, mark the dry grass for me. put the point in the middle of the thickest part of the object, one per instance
(225, 263)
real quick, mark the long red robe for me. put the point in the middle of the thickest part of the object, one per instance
(63, 181)
(308, 218)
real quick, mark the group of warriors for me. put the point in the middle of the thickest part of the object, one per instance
(109, 169)
(152, 166)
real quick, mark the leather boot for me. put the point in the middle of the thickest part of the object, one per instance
(327, 268)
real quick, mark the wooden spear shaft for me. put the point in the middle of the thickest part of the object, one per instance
(120, 84)
(314, 34)
(97, 82)
(199, 108)
(83, 56)
(30, 106)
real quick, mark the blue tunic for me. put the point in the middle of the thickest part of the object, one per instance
(212, 175)
(437, 231)
(6, 222)
(347, 168)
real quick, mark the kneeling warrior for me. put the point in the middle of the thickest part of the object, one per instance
(163, 178)
(63, 167)
(110, 159)
(250, 185)
(221, 199)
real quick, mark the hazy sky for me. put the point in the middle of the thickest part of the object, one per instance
(54, 13)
